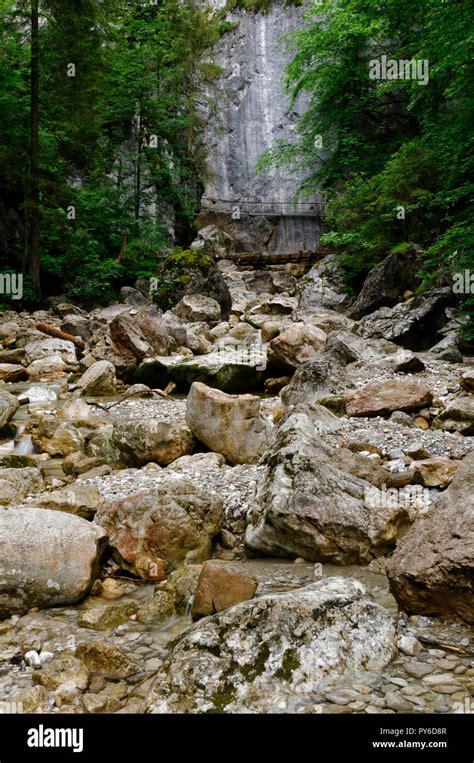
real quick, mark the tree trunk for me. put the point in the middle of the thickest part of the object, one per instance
(123, 245)
(138, 179)
(34, 223)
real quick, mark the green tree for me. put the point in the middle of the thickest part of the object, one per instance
(117, 161)
(391, 143)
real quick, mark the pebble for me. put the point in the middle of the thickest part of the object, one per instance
(412, 690)
(439, 679)
(418, 669)
(362, 689)
(343, 697)
(32, 659)
(448, 689)
(395, 702)
(409, 645)
(357, 706)
(399, 681)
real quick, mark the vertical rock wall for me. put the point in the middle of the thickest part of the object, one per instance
(246, 112)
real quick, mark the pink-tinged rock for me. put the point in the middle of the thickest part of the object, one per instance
(13, 372)
(296, 345)
(164, 527)
(380, 398)
(221, 585)
(228, 424)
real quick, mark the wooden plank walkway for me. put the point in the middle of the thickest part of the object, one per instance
(262, 259)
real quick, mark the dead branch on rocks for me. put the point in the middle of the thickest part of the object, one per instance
(45, 328)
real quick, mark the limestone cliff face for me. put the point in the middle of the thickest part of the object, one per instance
(246, 112)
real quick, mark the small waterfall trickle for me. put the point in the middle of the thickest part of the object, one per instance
(189, 606)
(23, 444)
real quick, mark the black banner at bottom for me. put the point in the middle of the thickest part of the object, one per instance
(116, 737)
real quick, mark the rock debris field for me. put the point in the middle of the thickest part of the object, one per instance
(256, 503)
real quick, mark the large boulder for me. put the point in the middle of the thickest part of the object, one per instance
(250, 233)
(16, 484)
(102, 347)
(154, 330)
(323, 287)
(214, 241)
(271, 309)
(145, 440)
(386, 283)
(127, 336)
(233, 369)
(316, 380)
(50, 435)
(375, 353)
(198, 307)
(259, 656)
(432, 569)
(458, 416)
(166, 526)
(46, 369)
(133, 297)
(296, 345)
(43, 348)
(414, 324)
(47, 558)
(221, 585)
(77, 325)
(99, 379)
(379, 398)
(190, 272)
(80, 498)
(8, 406)
(306, 506)
(228, 424)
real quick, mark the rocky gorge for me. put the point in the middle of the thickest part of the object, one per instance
(260, 500)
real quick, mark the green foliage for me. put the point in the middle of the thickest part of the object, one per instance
(211, 71)
(174, 275)
(15, 462)
(387, 144)
(120, 149)
(258, 6)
